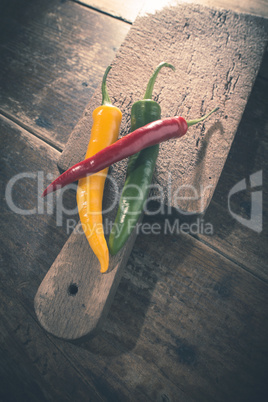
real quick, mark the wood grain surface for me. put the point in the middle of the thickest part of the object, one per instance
(189, 319)
(186, 323)
(52, 57)
(248, 155)
(253, 7)
(217, 55)
(74, 298)
(126, 11)
(129, 10)
(194, 163)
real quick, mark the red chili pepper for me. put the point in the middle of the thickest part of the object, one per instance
(153, 133)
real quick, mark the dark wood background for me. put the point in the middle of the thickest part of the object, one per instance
(189, 319)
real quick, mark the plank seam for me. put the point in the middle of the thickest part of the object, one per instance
(229, 258)
(117, 17)
(36, 134)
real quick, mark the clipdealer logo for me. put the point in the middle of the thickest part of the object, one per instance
(54, 203)
(255, 221)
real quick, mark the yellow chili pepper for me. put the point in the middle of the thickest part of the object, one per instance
(105, 130)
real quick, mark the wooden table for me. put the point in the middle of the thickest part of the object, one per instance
(189, 319)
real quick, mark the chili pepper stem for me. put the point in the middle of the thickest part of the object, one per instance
(150, 86)
(105, 96)
(192, 122)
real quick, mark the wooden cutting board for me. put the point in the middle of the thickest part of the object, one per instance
(217, 55)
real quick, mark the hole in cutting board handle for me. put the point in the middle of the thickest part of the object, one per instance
(72, 289)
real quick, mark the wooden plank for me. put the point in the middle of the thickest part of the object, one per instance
(248, 156)
(123, 10)
(32, 368)
(195, 302)
(29, 361)
(26, 162)
(185, 322)
(52, 57)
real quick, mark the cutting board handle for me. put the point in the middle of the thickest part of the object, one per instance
(74, 297)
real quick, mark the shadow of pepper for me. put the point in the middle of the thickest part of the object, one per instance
(247, 154)
(204, 144)
(133, 303)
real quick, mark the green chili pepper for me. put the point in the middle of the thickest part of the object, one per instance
(140, 170)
